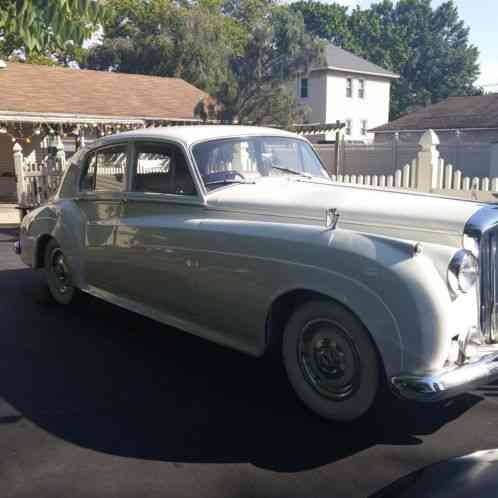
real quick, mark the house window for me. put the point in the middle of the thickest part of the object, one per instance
(349, 127)
(364, 127)
(361, 89)
(304, 88)
(349, 87)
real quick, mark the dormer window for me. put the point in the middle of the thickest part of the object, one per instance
(349, 87)
(304, 88)
(361, 89)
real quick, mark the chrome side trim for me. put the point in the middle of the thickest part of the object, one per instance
(448, 382)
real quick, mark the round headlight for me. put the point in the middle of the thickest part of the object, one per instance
(463, 271)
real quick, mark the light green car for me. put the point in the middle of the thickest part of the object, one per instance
(237, 234)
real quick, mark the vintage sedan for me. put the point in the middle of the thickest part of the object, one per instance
(238, 235)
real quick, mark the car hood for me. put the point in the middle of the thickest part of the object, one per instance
(408, 215)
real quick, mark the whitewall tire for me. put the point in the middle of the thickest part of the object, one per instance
(331, 361)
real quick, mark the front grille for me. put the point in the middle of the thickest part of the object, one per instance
(488, 285)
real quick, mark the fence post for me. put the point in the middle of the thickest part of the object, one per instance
(493, 169)
(428, 162)
(19, 169)
(60, 156)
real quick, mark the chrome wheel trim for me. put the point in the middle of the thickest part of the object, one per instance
(59, 274)
(329, 359)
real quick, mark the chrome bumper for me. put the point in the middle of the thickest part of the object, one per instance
(449, 382)
(17, 247)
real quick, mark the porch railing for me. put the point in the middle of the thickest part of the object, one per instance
(37, 181)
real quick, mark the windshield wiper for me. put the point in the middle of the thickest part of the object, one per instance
(292, 171)
(228, 181)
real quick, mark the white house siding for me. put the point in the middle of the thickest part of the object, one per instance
(317, 96)
(328, 103)
(374, 107)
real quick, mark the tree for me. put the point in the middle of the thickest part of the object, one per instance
(429, 48)
(41, 27)
(328, 21)
(276, 49)
(242, 52)
(166, 38)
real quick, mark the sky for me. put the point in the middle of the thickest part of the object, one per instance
(482, 18)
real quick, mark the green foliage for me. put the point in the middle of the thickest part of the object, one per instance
(44, 26)
(429, 47)
(242, 52)
(328, 21)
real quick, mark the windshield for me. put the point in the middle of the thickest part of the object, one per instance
(245, 160)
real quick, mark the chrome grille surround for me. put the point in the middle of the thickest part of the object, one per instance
(483, 227)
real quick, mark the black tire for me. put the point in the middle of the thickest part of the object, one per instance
(58, 274)
(331, 361)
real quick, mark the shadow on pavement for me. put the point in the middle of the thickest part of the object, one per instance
(107, 379)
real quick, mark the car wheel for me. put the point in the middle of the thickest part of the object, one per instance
(331, 361)
(59, 279)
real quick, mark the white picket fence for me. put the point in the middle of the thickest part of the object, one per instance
(37, 181)
(429, 173)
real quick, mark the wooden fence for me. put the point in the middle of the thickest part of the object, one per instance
(428, 172)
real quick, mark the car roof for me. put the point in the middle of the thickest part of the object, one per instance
(192, 134)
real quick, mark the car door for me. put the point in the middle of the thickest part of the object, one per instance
(156, 236)
(102, 189)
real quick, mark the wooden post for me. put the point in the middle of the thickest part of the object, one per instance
(395, 150)
(19, 169)
(336, 152)
(428, 162)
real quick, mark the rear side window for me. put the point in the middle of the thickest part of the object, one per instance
(162, 169)
(106, 170)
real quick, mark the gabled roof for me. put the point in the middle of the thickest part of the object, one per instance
(29, 88)
(343, 60)
(452, 114)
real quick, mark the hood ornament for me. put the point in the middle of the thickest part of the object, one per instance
(331, 218)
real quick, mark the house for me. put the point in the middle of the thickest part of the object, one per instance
(456, 119)
(42, 108)
(348, 89)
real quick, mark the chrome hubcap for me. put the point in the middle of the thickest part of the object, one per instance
(329, 359)
(60, 272)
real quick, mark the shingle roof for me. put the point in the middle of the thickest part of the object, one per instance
(343, 60)
(451, 114)
(43, 89)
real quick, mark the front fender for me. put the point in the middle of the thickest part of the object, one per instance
(399, 294)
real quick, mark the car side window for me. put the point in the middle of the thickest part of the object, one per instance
(162, 169)
(106, 170)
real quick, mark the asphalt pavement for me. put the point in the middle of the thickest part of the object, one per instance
(99, 402)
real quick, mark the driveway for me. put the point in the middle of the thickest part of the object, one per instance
(99, 402)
